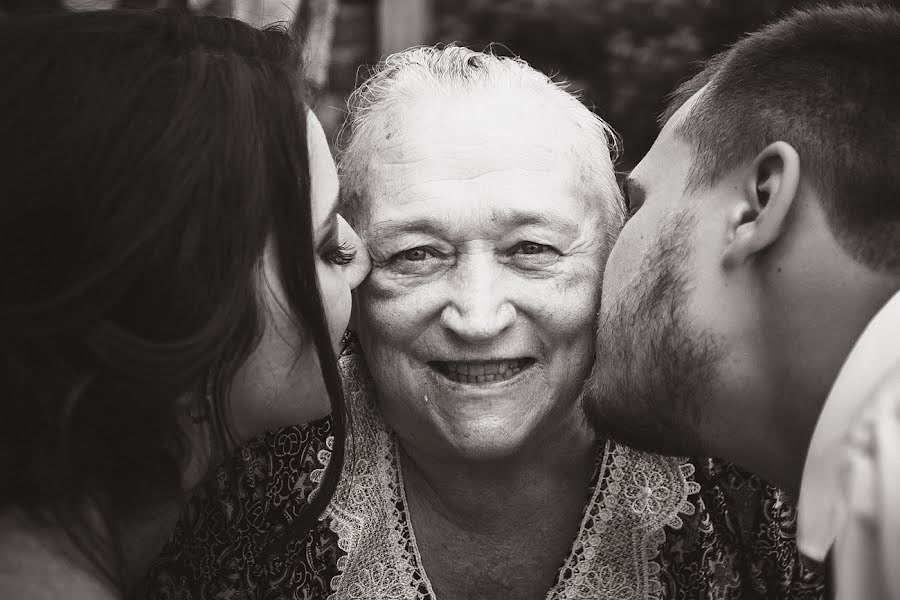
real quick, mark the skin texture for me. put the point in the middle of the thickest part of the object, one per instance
(731, 349)
(652, 357)
(485, 245)
(280, 384)
(482, 249)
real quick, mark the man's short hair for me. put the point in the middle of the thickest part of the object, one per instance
(455, 71)
(827, 81)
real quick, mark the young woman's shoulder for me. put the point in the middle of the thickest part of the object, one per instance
(34, 565)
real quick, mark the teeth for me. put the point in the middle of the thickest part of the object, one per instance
(483, 372)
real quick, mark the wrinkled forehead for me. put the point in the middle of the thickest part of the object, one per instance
(499, 140)
(512, 127)
(485, 136)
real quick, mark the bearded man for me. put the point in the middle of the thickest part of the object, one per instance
(749, 306)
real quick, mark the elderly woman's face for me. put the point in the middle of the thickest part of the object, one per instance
(477, 318)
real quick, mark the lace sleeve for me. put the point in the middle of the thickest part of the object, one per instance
(219, 549)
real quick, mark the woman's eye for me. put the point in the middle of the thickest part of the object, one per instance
(416, 254)
(533, 255)
(532, 248)
(342, 255)
(421, 260)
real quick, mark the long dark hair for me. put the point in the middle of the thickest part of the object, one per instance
(146, 159)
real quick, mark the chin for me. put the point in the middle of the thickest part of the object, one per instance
(489, 422)
(486, 444)
(498, 431)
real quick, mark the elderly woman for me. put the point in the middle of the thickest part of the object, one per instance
(487, 197)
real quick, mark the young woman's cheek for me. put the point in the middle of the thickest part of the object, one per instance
(336, 299)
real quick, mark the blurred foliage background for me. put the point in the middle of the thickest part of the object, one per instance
(624, 56)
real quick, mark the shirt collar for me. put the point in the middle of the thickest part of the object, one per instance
(820, 515)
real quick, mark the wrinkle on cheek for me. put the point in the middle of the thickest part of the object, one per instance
(574, 300)
(388, 283)
(379, 260)
(393, 309)
(380, 318)
(587, 246)
(373, 291)
(576, 313)
(593, 233)
(583, 272)
(380, 249)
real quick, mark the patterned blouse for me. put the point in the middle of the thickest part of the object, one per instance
(654, 527)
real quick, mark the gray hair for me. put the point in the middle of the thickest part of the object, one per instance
(449, 70)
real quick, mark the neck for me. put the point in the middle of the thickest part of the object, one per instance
(778, 459)
(774, 442)
(822, 330)
(517, 515)
(484, 493)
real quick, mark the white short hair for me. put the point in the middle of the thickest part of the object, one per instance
(453, 70)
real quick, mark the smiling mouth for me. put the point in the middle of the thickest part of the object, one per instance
(481, 372)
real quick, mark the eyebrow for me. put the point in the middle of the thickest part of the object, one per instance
(510, 218)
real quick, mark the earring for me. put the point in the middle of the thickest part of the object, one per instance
(199, 411)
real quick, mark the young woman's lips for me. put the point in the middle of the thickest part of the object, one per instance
(481, 372)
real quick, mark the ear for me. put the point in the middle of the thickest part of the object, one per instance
(769, 190)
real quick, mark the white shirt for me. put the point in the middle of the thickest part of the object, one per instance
(850, 490)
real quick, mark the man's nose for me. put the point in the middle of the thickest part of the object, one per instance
(479, 308)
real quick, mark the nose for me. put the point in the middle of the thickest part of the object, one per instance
(479, 308)
(355, 272)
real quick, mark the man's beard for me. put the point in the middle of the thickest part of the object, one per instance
(654, 372)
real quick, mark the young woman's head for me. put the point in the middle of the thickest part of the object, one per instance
(165, 204)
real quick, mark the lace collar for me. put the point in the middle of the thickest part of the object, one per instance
(613, 556)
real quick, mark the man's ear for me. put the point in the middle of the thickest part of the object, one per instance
(769, 190)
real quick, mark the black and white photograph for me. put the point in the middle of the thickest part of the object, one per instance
(450, 300)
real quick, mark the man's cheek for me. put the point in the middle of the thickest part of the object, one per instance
(612, 274)
(626, 259)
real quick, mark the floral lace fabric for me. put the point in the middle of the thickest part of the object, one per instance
(654, 527)
(613, 557)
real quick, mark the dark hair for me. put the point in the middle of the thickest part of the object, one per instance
(825, 81)
(147, 159)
